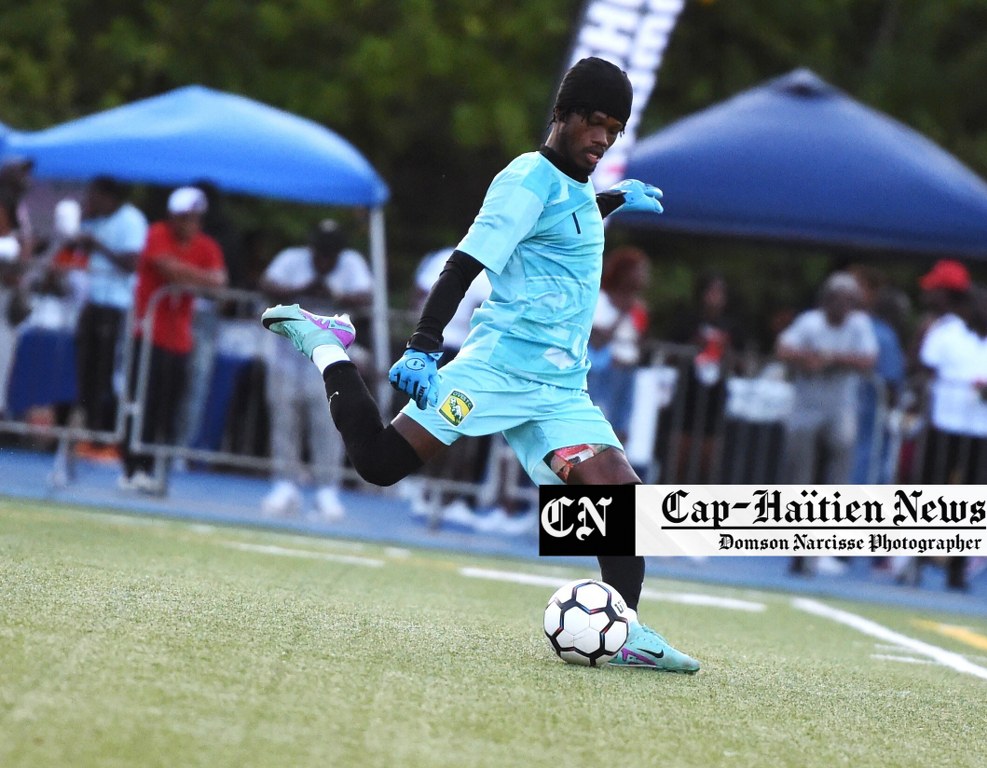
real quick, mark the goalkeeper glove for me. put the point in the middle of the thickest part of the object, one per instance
(638, 196)
(416, 374)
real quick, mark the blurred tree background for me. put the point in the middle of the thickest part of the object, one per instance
(440, 95)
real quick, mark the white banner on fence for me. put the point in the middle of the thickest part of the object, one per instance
(632, 34)
(871, 520)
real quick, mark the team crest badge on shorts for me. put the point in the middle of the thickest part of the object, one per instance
(456, 407)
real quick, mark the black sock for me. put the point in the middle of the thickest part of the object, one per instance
(625, 574)
(379, 454)
(353, 409)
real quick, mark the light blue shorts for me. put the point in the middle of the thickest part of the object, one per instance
(535, 419)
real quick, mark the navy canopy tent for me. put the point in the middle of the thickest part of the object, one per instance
(797, 160)
(240, 145)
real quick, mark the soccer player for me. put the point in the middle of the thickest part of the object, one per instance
(522, 371)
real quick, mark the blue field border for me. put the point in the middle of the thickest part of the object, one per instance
(225, 498)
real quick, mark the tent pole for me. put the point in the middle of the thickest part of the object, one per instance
(379, 322)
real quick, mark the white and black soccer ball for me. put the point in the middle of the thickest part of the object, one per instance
(586, 622)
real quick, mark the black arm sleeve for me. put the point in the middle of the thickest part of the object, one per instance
(443, 301)
(608, 202)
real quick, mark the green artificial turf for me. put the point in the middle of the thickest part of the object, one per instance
(132, 641)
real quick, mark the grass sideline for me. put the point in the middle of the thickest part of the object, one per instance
(127, 640)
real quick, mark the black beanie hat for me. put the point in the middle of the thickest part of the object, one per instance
(596, 85)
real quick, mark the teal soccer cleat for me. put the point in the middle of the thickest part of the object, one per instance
(646, 649)
(307, 330)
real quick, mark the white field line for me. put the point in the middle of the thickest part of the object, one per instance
(397, 553)
(123, 518)
(536, 580)
(268, 549)
(949, 659)
(892, 652)
(709, 601)
(205, 529)
(906, 659)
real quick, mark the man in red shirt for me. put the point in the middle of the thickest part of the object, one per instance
(178, 255)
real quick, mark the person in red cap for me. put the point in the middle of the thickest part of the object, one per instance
(178, 255)
(946, 275)
(953, 359)
(944, 291)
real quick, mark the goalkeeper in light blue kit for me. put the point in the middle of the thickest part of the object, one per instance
(522, 370)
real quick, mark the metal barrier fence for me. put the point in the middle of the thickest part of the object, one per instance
(688, 425)
(731, 429)
(226, 376)
(698, 421)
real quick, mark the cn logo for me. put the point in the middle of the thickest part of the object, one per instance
(586, 520)
(589, 517)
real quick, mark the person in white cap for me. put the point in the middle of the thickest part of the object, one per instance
(325, 271)
(177, 255)
(827, 349)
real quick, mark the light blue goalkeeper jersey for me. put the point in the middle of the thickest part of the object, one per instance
(540, 236)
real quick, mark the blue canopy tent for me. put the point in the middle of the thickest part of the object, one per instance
(198, 133)
(5, 133)
(240, 145)
(796, 160)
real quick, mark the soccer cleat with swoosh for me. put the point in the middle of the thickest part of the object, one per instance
(307, 330)
(646, 649)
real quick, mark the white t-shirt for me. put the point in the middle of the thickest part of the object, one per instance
(625, 343)
(124, 230)
(10, 248)
(458, 329)
(811, 332)
(293, 268)
(959, 358)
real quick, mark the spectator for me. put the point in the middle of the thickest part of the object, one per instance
(13, 308)
(881, 391)
(828, 348)
(112, 236)
(953, 360)
(944, 296)
(177, 258)
(712, 329)
(327, 273)
(944, 290)
(954, 353)
(58, 284)
(619, 323)
(62, 269)
(15, 181)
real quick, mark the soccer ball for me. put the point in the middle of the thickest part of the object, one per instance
(586, 622)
